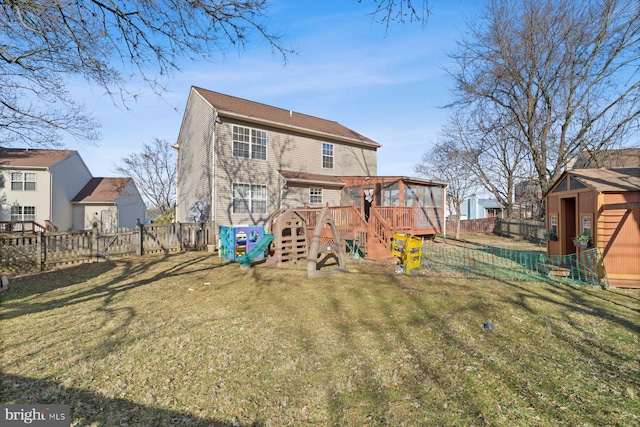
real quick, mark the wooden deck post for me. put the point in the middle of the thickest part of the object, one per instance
(40, 250)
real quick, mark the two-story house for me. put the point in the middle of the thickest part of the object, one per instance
(55, 189)
(239, 160)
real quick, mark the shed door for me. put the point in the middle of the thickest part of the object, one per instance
(568, 225)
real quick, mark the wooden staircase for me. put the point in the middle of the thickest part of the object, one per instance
(374, 234)
(377, 251)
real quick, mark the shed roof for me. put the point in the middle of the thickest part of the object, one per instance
(27, 157)
(609, 180)
(102, 190)
(231, 106)
(392, 178)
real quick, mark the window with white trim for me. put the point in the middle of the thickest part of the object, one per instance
(586, 225)
(23, 181)
(327, 155)
(249, 143)
(249, 198)
(553, 223)
(23, 213)
(315, 195)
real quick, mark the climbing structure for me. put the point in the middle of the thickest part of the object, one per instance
(326, 244)
(289, 237)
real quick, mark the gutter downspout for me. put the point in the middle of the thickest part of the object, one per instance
(444, 206)
(284, 185)
(51, 199)
(214, 188)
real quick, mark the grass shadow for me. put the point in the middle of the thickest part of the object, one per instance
(90, 408)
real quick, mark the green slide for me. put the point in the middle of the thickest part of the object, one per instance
(258, 249)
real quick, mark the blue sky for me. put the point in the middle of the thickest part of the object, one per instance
(387, 85)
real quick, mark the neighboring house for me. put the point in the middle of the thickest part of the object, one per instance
(107, 203)
(239, 160)
(605, 203)
(39, 185)
(475, 208)
(528, 199)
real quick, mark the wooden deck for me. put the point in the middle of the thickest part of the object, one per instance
(375, 233)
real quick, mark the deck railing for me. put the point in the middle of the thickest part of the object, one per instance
(379, 228)
(411, 219)
(20, 227)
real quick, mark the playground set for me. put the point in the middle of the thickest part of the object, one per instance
(288, 242)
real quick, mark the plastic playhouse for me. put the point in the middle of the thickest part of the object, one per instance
(239, 240)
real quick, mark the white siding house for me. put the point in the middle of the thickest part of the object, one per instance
(108, 203)
(37, 185)
(239, 160)
(43, 186)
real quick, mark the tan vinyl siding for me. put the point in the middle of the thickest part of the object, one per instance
(195, 179)
(285, 151)
(295, 196)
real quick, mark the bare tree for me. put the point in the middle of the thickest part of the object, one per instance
(401, 11)
(494, 155)
(44, 42)
(448, 162)
(564, 72)
(154, 172)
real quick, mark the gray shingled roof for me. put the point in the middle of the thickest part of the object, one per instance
(609, 180)
(231, 106)
(489, 203)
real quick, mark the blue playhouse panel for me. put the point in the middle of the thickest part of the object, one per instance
(236, 240)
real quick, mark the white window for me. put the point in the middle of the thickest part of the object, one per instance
(327, 155)
(23, 213)
(553, 220)
(249, 143)
(23, 181)
(249, 198)
(258, 144)
(586, 225)
(315, 195)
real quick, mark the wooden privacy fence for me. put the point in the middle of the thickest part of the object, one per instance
(42, 249)
(531, 230)
(472, 226)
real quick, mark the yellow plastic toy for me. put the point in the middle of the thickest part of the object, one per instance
(409, 249)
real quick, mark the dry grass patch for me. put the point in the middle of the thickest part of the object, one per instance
(188, 339)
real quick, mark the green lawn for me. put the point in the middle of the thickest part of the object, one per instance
(188, 339)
